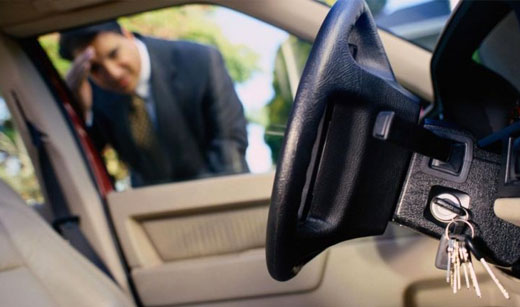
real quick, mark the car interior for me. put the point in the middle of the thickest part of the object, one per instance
(397, 151)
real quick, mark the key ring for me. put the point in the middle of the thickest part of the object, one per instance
(465, 216)
(447, 233)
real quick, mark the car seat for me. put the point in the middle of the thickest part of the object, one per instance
(39, 268)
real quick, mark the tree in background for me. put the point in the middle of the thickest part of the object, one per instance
(15, 164)
(279, 107)
(192, 23)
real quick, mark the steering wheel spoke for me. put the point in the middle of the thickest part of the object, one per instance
(334, 181)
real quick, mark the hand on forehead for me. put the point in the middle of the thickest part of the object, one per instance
(86, 53)
(104, 43)
(112, 60)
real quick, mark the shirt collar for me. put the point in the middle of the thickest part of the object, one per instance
(143, 84)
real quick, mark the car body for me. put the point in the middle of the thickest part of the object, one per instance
(140, 233)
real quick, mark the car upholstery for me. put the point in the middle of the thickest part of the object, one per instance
(39, 268)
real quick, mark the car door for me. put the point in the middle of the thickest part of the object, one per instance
(202, 241)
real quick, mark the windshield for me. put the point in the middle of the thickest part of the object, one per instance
(418, 21)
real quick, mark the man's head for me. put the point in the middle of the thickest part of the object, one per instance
(115, 62)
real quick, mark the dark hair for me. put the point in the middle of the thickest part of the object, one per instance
(79, 38)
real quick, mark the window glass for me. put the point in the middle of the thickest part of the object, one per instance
(263, 63)
(16, 168)
(419, 21)
(499, 50)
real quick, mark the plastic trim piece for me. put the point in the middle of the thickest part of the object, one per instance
(468, 157)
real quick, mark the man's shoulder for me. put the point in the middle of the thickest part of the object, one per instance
(156, 42)
(178, 46)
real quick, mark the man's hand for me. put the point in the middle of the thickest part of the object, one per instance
(77, 81)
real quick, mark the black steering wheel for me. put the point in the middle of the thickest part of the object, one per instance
(334, 181)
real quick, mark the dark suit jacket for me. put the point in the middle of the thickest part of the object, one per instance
(200, 120)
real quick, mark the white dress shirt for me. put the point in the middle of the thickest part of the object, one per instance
(143, 88)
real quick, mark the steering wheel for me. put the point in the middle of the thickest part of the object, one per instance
(334, 180)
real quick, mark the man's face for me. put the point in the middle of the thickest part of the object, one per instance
(116, 63)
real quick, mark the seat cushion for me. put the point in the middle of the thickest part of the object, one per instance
(39, 268)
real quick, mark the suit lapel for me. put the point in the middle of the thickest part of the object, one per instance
(174, 131)
(163, 87)
(115, 107)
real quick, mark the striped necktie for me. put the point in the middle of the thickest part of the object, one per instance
(141, 125)
(147, 141)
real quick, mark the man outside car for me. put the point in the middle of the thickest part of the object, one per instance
(168, 108)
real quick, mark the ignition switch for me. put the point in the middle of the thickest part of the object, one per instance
(447, 205)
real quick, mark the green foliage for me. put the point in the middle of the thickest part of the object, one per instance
(8, 129)
(476, 57)
(22, 178)
(49, 43)
(279, 107)
(192, 23)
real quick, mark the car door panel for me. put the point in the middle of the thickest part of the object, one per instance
(201, 240)
(396, 269)
(215, 278)
(146, 213)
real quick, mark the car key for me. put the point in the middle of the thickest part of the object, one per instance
(452, 265)
(457, 244)
(457, 259)
(453, 260)
(461, 256)
(441, 259)
(467, 259)
(455, 263)
(475, 251)
(464, 263)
